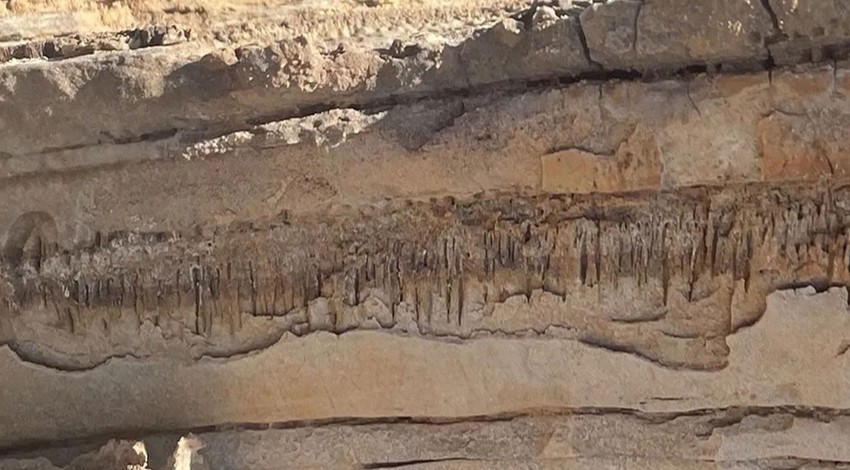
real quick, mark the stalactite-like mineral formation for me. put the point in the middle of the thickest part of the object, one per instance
(432, 234)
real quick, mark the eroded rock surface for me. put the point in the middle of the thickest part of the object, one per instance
(431, 234)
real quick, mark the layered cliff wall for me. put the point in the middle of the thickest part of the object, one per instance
(433, 234)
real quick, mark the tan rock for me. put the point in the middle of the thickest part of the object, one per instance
(635, 166)
(424, 234)
(822, 22)
(793, 147)
(801, 87)
(731, 85)
(375, 375)
(788, 155)
(843, 81)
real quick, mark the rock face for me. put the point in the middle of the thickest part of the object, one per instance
(427, 234)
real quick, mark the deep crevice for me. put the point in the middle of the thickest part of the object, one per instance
(411, 463)
(582, 39)
(778, 35)
(682, 71)
(719, 417)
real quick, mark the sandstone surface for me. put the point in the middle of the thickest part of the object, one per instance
(427, 234)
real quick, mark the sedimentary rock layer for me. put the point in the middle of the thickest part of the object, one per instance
(381, 234)
(158, 92)
(373, 375)
(732, 438)
(666, 276)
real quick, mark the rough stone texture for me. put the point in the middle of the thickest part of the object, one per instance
(667, 279)
(425, 234)
(372, 375)
(634, 166)
(817, 21)
(646, 33)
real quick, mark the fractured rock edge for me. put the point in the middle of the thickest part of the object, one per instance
(789, 124)
(372, 377)
(666, 277)
(235, 22)
(231, 89)
(65, 47)
(703, 301)
(703, 439)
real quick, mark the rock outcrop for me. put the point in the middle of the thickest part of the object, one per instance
(430, 234)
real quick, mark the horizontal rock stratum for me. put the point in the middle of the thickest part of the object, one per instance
(430, 234)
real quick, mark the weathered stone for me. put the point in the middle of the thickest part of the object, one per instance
(513, 50)
(789, 152)
(424, 233)
(645, 34)
(635, 166)
(842, 81)
(160, 93)
(374, 375)
(797, 89)
(609, 29)
(814, 29)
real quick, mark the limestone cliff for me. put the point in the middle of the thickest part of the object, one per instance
(428, 234)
